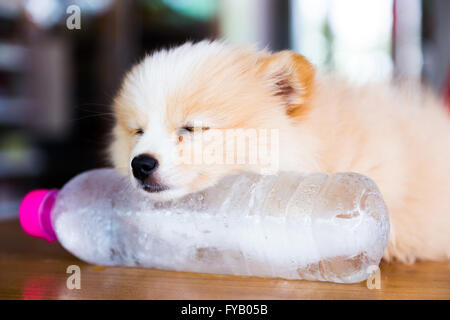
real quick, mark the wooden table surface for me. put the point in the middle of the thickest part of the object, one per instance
(34, 269)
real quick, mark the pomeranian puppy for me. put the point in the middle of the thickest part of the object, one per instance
(399, 137)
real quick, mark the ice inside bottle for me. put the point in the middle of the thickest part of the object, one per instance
(315, 227)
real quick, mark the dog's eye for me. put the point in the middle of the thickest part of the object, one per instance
(139, 132)
(192, 129)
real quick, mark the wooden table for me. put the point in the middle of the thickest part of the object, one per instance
(34, 269)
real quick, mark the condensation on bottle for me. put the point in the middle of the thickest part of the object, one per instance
(315, 227)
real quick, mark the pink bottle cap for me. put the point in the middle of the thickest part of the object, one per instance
(34, 213)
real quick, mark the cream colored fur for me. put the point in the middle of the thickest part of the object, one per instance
(400, 137)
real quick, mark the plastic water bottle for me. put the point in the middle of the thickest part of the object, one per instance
(316, 227)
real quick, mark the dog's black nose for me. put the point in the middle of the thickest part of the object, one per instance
(143, 165)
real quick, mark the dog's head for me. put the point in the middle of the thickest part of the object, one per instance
(180, 114)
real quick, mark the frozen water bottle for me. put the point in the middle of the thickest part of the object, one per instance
(316, 227)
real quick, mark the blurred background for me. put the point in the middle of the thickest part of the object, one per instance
(58, 75)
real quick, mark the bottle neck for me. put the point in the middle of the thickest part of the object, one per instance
(45, 215)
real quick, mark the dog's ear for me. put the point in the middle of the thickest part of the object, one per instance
(290, 76)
